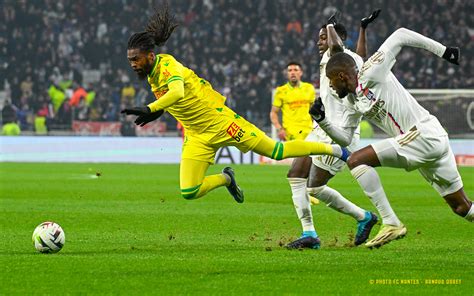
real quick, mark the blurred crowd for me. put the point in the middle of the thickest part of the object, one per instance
(66, 59)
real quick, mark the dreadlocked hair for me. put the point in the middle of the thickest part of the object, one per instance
(159, 28)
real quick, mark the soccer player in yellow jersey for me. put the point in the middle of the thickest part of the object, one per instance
(293, 99)
(209, 124)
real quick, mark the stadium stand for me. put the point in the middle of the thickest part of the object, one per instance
(56, 50)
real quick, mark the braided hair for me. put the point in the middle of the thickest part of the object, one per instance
(159, 28)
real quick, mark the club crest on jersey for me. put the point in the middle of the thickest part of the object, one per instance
(166, 74)
(235, 131)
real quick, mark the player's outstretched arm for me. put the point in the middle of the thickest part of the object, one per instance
(335, 43)
(404, 37)
(154, 110)
(342, 136)
(361, 49)
(175, 92)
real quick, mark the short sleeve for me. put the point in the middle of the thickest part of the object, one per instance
(278, 98)
(311, 93)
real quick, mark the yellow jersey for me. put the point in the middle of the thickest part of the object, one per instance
(201, 108)
(294, 103)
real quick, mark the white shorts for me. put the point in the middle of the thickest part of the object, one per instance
(326, 162)
(431, 155)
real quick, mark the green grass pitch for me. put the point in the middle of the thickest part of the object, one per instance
(128, 231)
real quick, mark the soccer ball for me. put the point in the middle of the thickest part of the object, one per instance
(48, 237)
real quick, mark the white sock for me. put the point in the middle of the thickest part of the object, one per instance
(470, 215)
(369, 180)
(301, 203)
(336, 201)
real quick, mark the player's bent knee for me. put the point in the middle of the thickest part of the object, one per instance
(317, 182)
(295, 171)
(191, 192)
(300, 167)
(353, 162)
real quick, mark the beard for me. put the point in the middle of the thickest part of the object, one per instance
(141, 74)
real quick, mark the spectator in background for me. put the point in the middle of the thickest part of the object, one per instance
(128, 95)
(111, 112)
(10, 125)
(294, 25)
(27, 87)
(44, 114)
(78, 95)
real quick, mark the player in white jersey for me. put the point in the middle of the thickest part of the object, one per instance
(418, 139)
(321, 169)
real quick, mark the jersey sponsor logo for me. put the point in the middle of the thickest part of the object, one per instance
(159, 93)
(235, 131)
(299, 104)
(378, 112)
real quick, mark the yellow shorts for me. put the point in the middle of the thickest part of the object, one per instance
(297, 133)
(229, 131)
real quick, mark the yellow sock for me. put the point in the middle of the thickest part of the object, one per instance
(300, 148)
(209, 183)
(278, 150)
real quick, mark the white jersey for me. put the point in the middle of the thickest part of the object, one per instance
(386, 103)
(334, 106)
(335, 110)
